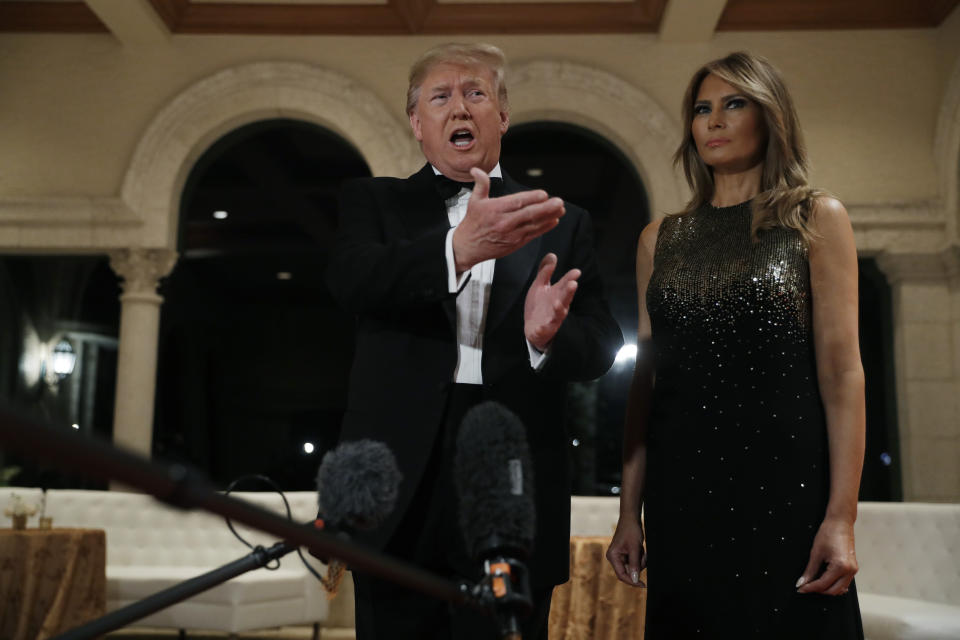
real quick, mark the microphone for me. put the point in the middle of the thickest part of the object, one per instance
(494, 481)
(357, 487)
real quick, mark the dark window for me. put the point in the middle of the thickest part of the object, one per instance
(587, 170)
(881, 467)
(254, 353)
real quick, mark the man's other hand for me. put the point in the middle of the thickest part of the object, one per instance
(547, 305)
(496, 227)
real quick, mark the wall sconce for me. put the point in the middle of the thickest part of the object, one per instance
(64, 358)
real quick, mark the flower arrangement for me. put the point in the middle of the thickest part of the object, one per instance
(19, 511)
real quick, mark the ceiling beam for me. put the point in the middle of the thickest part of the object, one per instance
(403, 17)
(639, 16)
(413, 12)
(292, 19)
(49, 17)
(763, 15)
(131, 21)
(171, 11)
(690, 20)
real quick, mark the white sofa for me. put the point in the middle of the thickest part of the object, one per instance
(909, 556)
(151, 547)
(908, 584)
(909, 579)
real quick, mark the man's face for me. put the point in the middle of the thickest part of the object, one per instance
(458, 120)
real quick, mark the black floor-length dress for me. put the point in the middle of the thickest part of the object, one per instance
(738, 475)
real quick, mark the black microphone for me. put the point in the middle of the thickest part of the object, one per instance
(494, 481)
(357, 486)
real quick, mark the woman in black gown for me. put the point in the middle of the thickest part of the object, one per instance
(745, 423)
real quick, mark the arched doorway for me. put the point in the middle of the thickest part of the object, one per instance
(253, 351)
(586, 169)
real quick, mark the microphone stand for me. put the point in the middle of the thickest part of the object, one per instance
(134, 611)
(505, 591)
(180, 487)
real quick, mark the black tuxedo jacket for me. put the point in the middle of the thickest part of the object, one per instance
(388, 267)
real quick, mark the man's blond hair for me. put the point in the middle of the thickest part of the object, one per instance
(467, 55)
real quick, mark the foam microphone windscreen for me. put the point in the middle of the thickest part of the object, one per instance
(494, 481)
(358, 482)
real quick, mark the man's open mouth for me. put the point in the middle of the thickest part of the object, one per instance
(461, 138)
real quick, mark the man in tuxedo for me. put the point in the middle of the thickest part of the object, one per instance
(454, 290)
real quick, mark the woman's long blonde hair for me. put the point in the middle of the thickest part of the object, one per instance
(785, 198)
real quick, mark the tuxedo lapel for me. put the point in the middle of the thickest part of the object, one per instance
(425, 211)
(512, 273)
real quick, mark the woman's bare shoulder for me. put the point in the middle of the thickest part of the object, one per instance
(648, 237)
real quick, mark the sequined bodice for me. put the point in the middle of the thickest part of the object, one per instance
(730, 316)
(726, 308)
(710, 278)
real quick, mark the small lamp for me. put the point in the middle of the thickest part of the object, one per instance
(64, 358)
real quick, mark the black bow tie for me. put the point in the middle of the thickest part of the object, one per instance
(449, 187)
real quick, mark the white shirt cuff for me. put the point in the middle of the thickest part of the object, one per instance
(537, 357)
(454, 284)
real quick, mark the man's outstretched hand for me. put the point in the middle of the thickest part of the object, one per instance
(547, 305)
(496, 227)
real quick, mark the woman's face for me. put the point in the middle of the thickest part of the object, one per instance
(727, 127)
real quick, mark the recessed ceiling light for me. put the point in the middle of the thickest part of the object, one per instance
(220, 215)
(284, 275)
(534, 172)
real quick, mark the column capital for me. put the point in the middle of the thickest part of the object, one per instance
(940, 265)
(142, 269)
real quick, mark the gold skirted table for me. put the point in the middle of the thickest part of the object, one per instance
(594, 605)
(51, 580)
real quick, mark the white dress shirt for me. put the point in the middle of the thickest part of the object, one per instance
(473, 298)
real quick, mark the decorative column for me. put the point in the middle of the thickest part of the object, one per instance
(141, 271)
(926, 309)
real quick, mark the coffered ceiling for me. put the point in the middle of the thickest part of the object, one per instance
(674, 20)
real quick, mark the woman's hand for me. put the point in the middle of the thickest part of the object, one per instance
(833, 546)
(626, 553)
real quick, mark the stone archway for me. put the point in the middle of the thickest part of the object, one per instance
(163, 159)
(237, 96)
(620, 112)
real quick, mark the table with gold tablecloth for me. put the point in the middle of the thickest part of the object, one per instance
(594, 605)
(51, 580)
